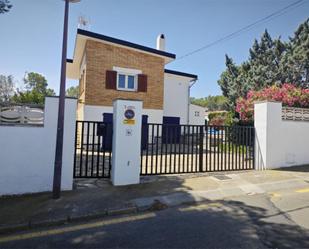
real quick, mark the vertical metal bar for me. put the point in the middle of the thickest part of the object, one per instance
(246, 147)
(161, 150)
(253, 148)
(75, 148)
(192, 149)
(184, 149)
(210, 148)
(87, 149)
(206, 148)
(175, 145)
(196, 150)
(221, 146)
(110, 152)
(233, 143)
(225, 149)
(214, 147)
(92, 149)
(170, 148)
(104, 148)
(179, 147)
(196, 143)
(166, 144)
(147, 144)
(152, 155)
(188, 148)
(229, 147)
(237, 148)
(98, 153)
(243, 146)
(157, 146)
(217, 147)
(201, 148)
(81, 151)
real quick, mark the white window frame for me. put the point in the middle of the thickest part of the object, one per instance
(127, 72)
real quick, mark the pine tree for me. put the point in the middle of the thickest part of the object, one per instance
(296, 60)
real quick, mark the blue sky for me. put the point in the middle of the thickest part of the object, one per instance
(31, 33)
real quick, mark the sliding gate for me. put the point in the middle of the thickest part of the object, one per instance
(174, 149)
(167, 149)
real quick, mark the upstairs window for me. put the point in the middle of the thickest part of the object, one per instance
(127, 78)
(127, 82)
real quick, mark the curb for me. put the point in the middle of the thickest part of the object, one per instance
(69, 219)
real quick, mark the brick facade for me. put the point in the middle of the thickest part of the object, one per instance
(101, 57)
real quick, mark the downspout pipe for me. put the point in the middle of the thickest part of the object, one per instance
(191, 83)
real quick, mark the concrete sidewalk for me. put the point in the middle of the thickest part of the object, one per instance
(97, 198)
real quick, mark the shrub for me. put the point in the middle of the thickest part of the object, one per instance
(288, 94)
(220, 118)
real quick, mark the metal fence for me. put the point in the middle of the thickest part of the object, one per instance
(174, 149)
(93, 146)
(166, 149)
(25, 114)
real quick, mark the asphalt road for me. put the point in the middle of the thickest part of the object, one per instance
(273, 220)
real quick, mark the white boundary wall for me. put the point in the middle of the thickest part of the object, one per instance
(279, 143)
(27, 153)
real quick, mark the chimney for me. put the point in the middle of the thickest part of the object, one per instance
(161, 42)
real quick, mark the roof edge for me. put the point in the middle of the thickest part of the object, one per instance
(124, 43)
(181, 73)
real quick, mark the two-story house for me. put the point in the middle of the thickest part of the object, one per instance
(108, 68)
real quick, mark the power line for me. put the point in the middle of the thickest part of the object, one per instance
(246, 28)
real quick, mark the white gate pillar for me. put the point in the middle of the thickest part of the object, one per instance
(127, 127)
(267, 123)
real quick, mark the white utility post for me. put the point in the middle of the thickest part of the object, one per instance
(127, 128)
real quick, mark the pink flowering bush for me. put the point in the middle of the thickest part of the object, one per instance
(288, 94)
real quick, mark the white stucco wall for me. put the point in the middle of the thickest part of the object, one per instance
(176, 96)
(95, 113)
(27, 152)
(279, 143)
(197, 115)
(126, 159)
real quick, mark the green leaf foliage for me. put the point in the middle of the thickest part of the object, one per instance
(6, 88)
(271, 62)
(36, 90)
(212, 103)
(73, 91)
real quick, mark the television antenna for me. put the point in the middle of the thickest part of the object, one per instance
(83, 22)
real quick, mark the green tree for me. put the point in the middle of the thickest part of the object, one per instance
(36, 89)
(213, 103)
(270, 62)
(73, 91)
(295, 63)
(5, 6)
(6, 88)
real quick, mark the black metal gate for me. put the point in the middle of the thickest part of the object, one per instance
(167, 149)
(174, 149)
(93, 149)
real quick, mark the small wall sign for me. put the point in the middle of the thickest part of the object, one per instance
(129, 115)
